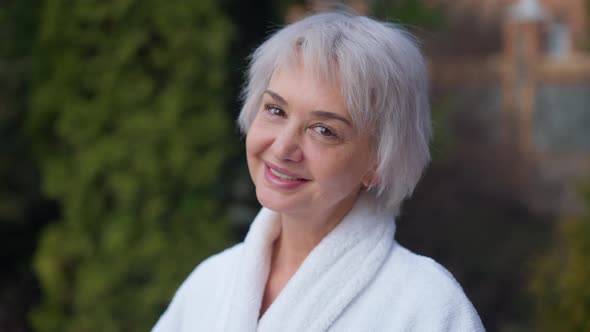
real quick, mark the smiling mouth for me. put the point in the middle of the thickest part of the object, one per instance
(281, 174)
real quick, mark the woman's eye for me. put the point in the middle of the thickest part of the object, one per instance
(274, 110)
(324, 131)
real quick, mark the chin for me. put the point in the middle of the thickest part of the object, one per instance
(277, 202)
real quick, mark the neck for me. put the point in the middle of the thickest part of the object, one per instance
(300, 233)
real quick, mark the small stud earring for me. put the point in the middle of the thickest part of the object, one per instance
(368, 184)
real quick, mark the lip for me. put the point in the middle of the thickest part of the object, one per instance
(285, 171)
(280, 182)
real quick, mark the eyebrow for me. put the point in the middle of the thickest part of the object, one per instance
(277, 97)
(318, 114)
(330, 116)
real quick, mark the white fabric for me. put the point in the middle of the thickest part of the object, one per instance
(356, 279)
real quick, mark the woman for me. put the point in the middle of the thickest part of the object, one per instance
(337, 127)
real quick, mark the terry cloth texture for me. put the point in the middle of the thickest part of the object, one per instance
(358, 278)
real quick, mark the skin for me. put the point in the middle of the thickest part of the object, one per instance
(303, 130)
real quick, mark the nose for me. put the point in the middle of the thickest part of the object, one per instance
(287, 145)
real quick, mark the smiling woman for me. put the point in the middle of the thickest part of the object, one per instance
(337, 128)
(305, 158)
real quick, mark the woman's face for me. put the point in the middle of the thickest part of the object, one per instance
(303, 153)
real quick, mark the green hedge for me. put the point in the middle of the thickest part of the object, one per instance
(560, 282)
(128, 120)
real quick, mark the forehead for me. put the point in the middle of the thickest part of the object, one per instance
(307, 87)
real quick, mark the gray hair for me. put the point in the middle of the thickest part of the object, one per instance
(382, 78)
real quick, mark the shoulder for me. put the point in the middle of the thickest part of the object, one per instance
(198, 297)
(212, 270)
(430, 294)
(423, 271)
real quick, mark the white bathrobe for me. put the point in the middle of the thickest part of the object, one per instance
(358, 278)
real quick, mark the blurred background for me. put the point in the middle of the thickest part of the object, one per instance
(121, 167)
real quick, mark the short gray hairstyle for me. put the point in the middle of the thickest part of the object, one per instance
(382, 77)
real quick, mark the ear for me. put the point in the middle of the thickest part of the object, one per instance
(370, 179)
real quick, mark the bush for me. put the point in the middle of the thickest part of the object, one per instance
(129, 127)
(560, 280)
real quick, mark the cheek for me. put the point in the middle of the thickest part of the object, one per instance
(254, 140)
(258, 140)
(251, 147)
(252, 151)
(250, 143)
(337, 170)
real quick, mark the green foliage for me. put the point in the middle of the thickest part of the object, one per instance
(409, 12)
(443, 137)
(130, 129)
(18, 190)
(20, 198)
(18, 20)
(560, 279)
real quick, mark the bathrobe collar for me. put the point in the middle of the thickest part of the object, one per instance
(332, 275)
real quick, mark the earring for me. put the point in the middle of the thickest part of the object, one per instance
(368, 184)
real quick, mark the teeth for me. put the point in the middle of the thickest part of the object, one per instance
(281, 175)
